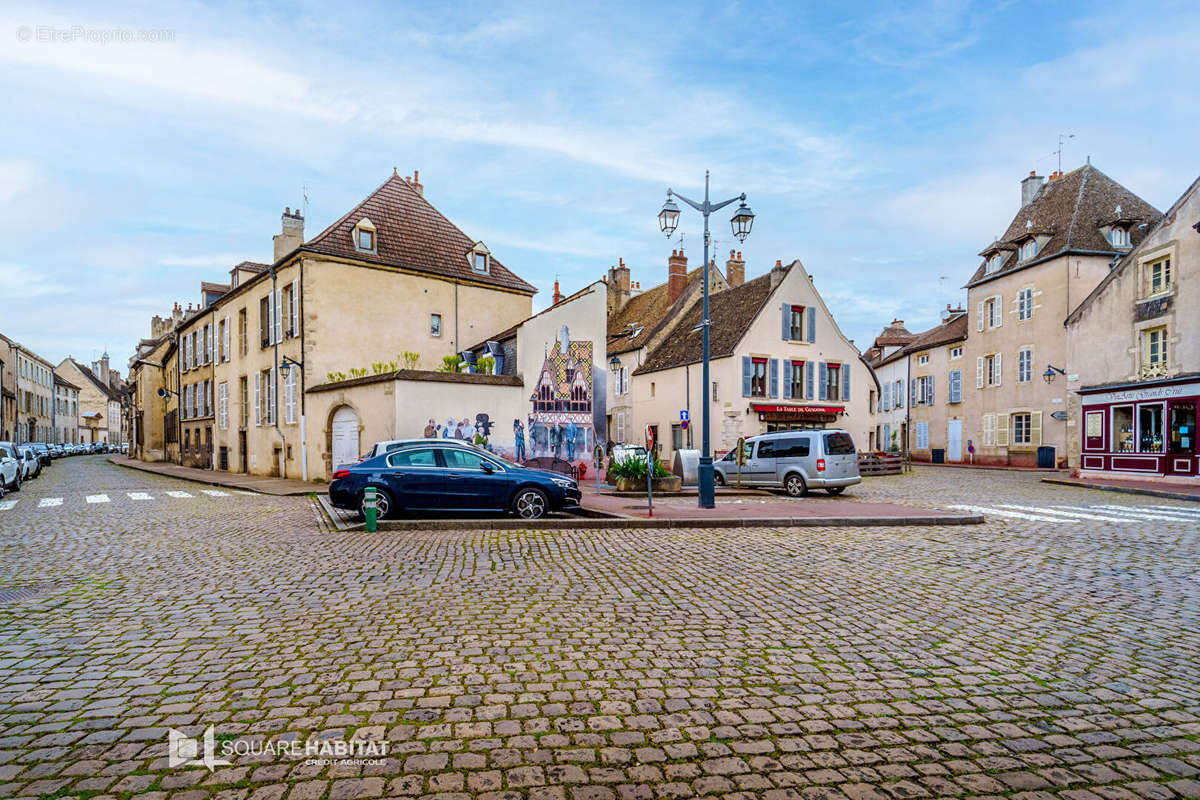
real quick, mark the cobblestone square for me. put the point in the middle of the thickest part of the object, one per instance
(1033, 656)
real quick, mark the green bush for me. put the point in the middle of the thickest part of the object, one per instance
(634, 469)
(451, 363)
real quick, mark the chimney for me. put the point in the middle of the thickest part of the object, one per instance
(777, 273)
(1030, 187)
(735, 269)
(292, 233)
(415, 182)
(676, 275)
(558, 297)
(618, 287)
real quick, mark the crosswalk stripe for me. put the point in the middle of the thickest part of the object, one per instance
(1014, 514)
(5, 505)
(139, 496)
(1124, 511)
(97, 498)
(215, 493)
(179, 494)
(50, 501)
(1176, 509)
(1174, 512)
(1074, 514)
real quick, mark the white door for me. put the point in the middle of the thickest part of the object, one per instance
(345, 437)
(954, 440)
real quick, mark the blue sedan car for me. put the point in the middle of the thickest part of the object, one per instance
(444, 476)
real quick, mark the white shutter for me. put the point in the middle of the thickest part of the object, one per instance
(225, 344)
(998, 311)
(278, 316)
(989, 430)
(1035, 428)
(996, 369)
(223, 406)
(272, 396)
(258, 398)
(294, 311)
(1002, 430)
(979, 362)
(979, 317)
(289, 396)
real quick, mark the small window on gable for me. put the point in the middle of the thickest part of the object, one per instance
(993, 263)
(365, 240)
(1119, 237)
(1029, 249)
(480, 258)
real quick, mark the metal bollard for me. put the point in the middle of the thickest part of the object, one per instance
(369, 508)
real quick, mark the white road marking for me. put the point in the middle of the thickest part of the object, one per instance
(179, 494)
(1074, 514)
(97, 498)
(215, 493)
(1124, 511)
(5, 505)
(50, 501)
(1014, 514)
(1175, 509)
(139, 496)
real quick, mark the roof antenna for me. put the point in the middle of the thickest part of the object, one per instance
(304, 192)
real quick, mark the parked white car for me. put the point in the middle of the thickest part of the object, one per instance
(10, 468)
(31, 464)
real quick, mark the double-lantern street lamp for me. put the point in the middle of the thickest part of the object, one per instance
(742, 221)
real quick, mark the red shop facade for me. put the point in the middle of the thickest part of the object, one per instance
(1146, 428)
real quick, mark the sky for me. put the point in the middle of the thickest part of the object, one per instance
(882, 144)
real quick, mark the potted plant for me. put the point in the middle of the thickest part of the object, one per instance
(629, 475)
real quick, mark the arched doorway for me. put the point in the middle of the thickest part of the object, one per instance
(344, 437)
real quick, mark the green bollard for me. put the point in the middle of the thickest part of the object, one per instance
(369, 508)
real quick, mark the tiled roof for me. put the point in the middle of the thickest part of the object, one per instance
(64, 382)
(1070, 209)
(252, 266)
(511, 331)
(104, 388)
(952, 330)
(648, 312)
(412, 234)
(208, 286)
(731, 312)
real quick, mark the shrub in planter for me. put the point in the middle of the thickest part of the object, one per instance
(630, 475)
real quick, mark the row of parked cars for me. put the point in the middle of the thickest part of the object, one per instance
(25, 461)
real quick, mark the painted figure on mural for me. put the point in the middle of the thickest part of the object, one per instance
(556, 440)
(519, 440)
(463, 431)
(569, 440)
(563, 422)
(431, 430)
(540, 436)
(448, 431)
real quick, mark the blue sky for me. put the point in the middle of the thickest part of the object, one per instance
(880, 144)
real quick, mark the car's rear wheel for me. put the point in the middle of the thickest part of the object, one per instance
(530, 503)
(836, 489)
(16, 484)
(795, 485)
(719, 478)
(384, 505)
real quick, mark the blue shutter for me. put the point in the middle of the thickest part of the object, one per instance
(773, 379)
(822, 379)
(886, 396)
(747, 374)
(929, 391)
(846, 383)
(913, 383)
(787, 380)
(955, 392)
(812, 323)
(787, 321)
(808, 372)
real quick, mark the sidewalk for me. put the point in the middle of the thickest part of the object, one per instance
(233, 480)
(1150, 488)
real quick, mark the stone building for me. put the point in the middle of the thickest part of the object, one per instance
(66, 411)
(100, 413)
(8, 389)
(200, 345)
(639, 319)
(889, 359)
(154, 428)
(935, 390)
(778, 362)
(33, 384)
(1133, 347)
(1060, 244)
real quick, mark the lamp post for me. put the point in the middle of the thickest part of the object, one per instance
(742, 221)
(1051, 371)
(289, 363)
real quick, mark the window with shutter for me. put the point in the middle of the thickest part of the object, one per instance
(289, 398)
(278, 316)
(979, 317)
(809, 376)
(258, 398)
(979, 372)
(773, 381)
(845, 383)
(747, 375)
(225, 343)
(989, 430)
(997, 372)
(1002, 430)
(812, 326)
(823, 381)
(887, 396)
(223, 405)
(294, 310)
(1035, 428)
(787, 322)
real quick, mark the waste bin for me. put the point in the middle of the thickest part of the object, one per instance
(687, 466)
(939, 455)
(1045, 457)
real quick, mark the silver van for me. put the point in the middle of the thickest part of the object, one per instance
(796, 461)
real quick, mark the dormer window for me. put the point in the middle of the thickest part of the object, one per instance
(993, 263)
(365, 240)
(1029, 249)
(1119, 237)
(480, 258)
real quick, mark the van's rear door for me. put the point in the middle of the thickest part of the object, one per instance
(841, 458)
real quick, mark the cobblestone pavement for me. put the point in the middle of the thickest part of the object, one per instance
(1018, 658)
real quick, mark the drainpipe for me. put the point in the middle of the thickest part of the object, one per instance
(277, 311)
(178, 401)
(303, 379)
(908, 405)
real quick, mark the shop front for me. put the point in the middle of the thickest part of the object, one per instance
(787, 417)
(1146, 428)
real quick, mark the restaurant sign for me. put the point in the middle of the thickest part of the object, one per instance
(784, 409)
(1148, 393)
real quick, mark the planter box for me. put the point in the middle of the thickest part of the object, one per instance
(660, 485)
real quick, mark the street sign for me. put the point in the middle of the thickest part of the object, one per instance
(1059, 415)
(650, 438)
(683, 415)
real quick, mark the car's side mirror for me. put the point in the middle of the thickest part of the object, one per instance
(487, 468)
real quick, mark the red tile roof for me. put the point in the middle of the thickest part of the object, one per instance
(412, 234)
